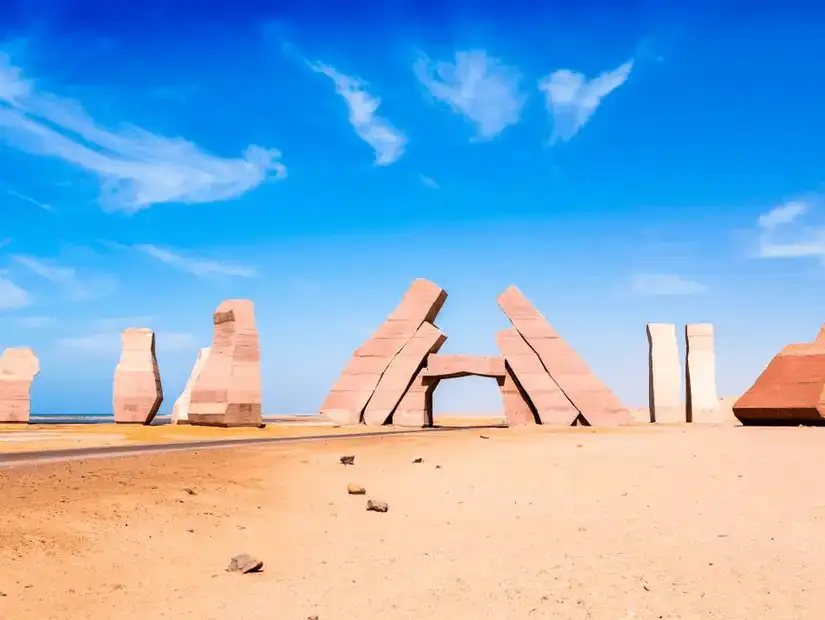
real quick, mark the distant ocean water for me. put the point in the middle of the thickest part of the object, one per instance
(82, 418)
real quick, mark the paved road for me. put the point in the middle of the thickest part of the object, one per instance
(17, 459)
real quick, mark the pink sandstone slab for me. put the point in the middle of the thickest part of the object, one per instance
(401, 372)
(518, 411)
(453, 366)
(349, 395)
(180, 410)
(18, 368)
(550, 403)
(664, 374)
(416, 407)
(700, 375)
(228, 390)
(593, 399)
(137, 388)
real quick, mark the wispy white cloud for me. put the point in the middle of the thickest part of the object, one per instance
(136, 168)
(387, 142)
(28, 199)
(73, 285)
(429, 182)
(797, 241)
(664, 284)
(480, 87)
(196, 266)
(571, 98)
(35, 322)
(12, 296)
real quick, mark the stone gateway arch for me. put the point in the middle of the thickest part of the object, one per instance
(391, 377)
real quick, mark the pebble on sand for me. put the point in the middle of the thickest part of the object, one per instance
(245, 563)
(377, 506)
(355, 489)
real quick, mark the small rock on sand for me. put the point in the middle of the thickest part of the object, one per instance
(418, 460)
(348, 460)
(355, 489)
(245, 563)
(377, 506)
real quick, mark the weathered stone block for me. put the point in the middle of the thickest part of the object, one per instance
(550, 403)
(180, 410)
(592, 398)
(348, 398)
(18, 368)
(518, 410)
(452, 366)
(138, 392)
(400, 373)
(702, 400)
(791, 389)
(227, 392)
(664, 374)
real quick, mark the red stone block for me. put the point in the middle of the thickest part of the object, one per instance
(518, 410)
(791, 389)
(400, 374)
(416, 407)
(549, 402)
(452, 366)
(592, 398)
(421, 303)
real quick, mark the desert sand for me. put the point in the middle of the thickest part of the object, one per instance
(639, 522)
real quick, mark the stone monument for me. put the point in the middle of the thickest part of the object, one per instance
(700, 375)
(664, 374)
(138, 392)
(18, 368)
(180, 410)
(227, 392)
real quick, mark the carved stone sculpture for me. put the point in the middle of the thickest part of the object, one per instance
(346, 401)
(592, 398)
(180, 410)
(138, 392)
(227, 392)
(18, 368)
(664, 374)
(400, 374)
(791, 389)
(700, 375)
(551, 404)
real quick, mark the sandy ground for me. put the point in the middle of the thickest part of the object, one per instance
(646, 522)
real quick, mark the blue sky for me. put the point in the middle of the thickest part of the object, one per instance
(619, 163)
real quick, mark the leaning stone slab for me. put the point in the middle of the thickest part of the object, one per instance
(592, 398)
(18, 368)
(700, 375)
(227, 391)
(518, 410)
(416, 407)
(180, 410)
(664, 374)
(400, 374)
(550, 403)
(138, 392)
(348, 397)
(791, 389)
